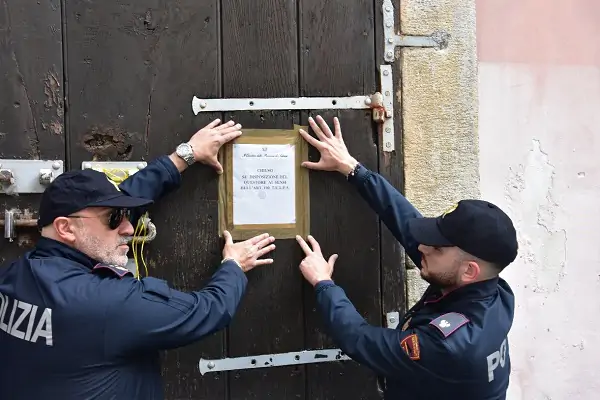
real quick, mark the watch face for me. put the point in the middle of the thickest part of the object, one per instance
(185, 152)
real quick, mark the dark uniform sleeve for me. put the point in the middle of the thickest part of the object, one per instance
(153, 182)
(392, 207)
(147, 314)
(406, 356)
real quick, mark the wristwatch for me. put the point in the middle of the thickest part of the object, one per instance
(185, 151)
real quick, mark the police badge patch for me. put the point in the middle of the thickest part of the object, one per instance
(410, 345)
(448, 323)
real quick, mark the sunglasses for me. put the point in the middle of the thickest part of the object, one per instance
(114, 219)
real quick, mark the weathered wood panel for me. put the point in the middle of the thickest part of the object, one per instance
(260, 60)
(134, 67)
(337, 47)
(31, 98)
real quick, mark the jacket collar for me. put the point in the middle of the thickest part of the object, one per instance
(46, 247)
(478, 290)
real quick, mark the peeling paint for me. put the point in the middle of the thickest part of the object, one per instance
(54, 127)
(52, 92)
(542, 246)
(108, 143)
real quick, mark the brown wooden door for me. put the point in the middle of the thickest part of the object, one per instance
(128, 70)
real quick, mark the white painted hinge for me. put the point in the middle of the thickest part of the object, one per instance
(382, 104)
(437, 39)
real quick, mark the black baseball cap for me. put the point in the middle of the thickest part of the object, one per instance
(476, 226)
(75, 190)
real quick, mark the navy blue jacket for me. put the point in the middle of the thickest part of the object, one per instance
(72, 329)
(447, 347)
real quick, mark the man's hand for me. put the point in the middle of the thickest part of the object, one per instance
(314, 267)
(334, 154)
(246, 253)
(208, 140)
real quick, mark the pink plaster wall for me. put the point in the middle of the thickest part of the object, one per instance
(539, 31)
(539, 130)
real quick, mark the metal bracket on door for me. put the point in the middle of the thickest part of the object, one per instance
(382, 104)
(115, 167)
(437, 39)
(28, 176)
(116, 171)
(272, 360)
(282, 359)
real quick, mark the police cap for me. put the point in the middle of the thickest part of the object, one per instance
(478, 227)
(75, 190)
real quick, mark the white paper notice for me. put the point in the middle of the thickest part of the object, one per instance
(264, 189)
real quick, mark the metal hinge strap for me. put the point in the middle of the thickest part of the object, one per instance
(437, 39)
(272, 360)
(382, 104)
(282, 359)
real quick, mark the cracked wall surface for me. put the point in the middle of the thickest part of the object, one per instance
(539, 142)
(439, 111)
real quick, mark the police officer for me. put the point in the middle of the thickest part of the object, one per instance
(453, 343)
(74, 322)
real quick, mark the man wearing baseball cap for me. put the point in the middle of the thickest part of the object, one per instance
(452, 343)
(74, 322)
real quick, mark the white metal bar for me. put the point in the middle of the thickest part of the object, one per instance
(387, 90)
(437, 40)
(393, 40)
(28, 176)
(392, 319)
(283, 103)
(272, 360)
(388, 31)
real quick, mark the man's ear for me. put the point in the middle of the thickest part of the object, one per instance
(64, 229)
(472, 272)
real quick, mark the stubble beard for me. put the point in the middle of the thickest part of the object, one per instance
(106, 253)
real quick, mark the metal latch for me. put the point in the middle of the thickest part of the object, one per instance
(15, 218)
(28, 176)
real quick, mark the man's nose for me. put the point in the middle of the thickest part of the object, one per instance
(423, 248)
(126, 229)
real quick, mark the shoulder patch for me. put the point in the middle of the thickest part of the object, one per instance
(449, 323)
(410, 345)
(119, 271)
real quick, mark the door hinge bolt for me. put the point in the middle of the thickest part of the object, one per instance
(211, 365)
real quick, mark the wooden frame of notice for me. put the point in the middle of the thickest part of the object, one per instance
(279, 231)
